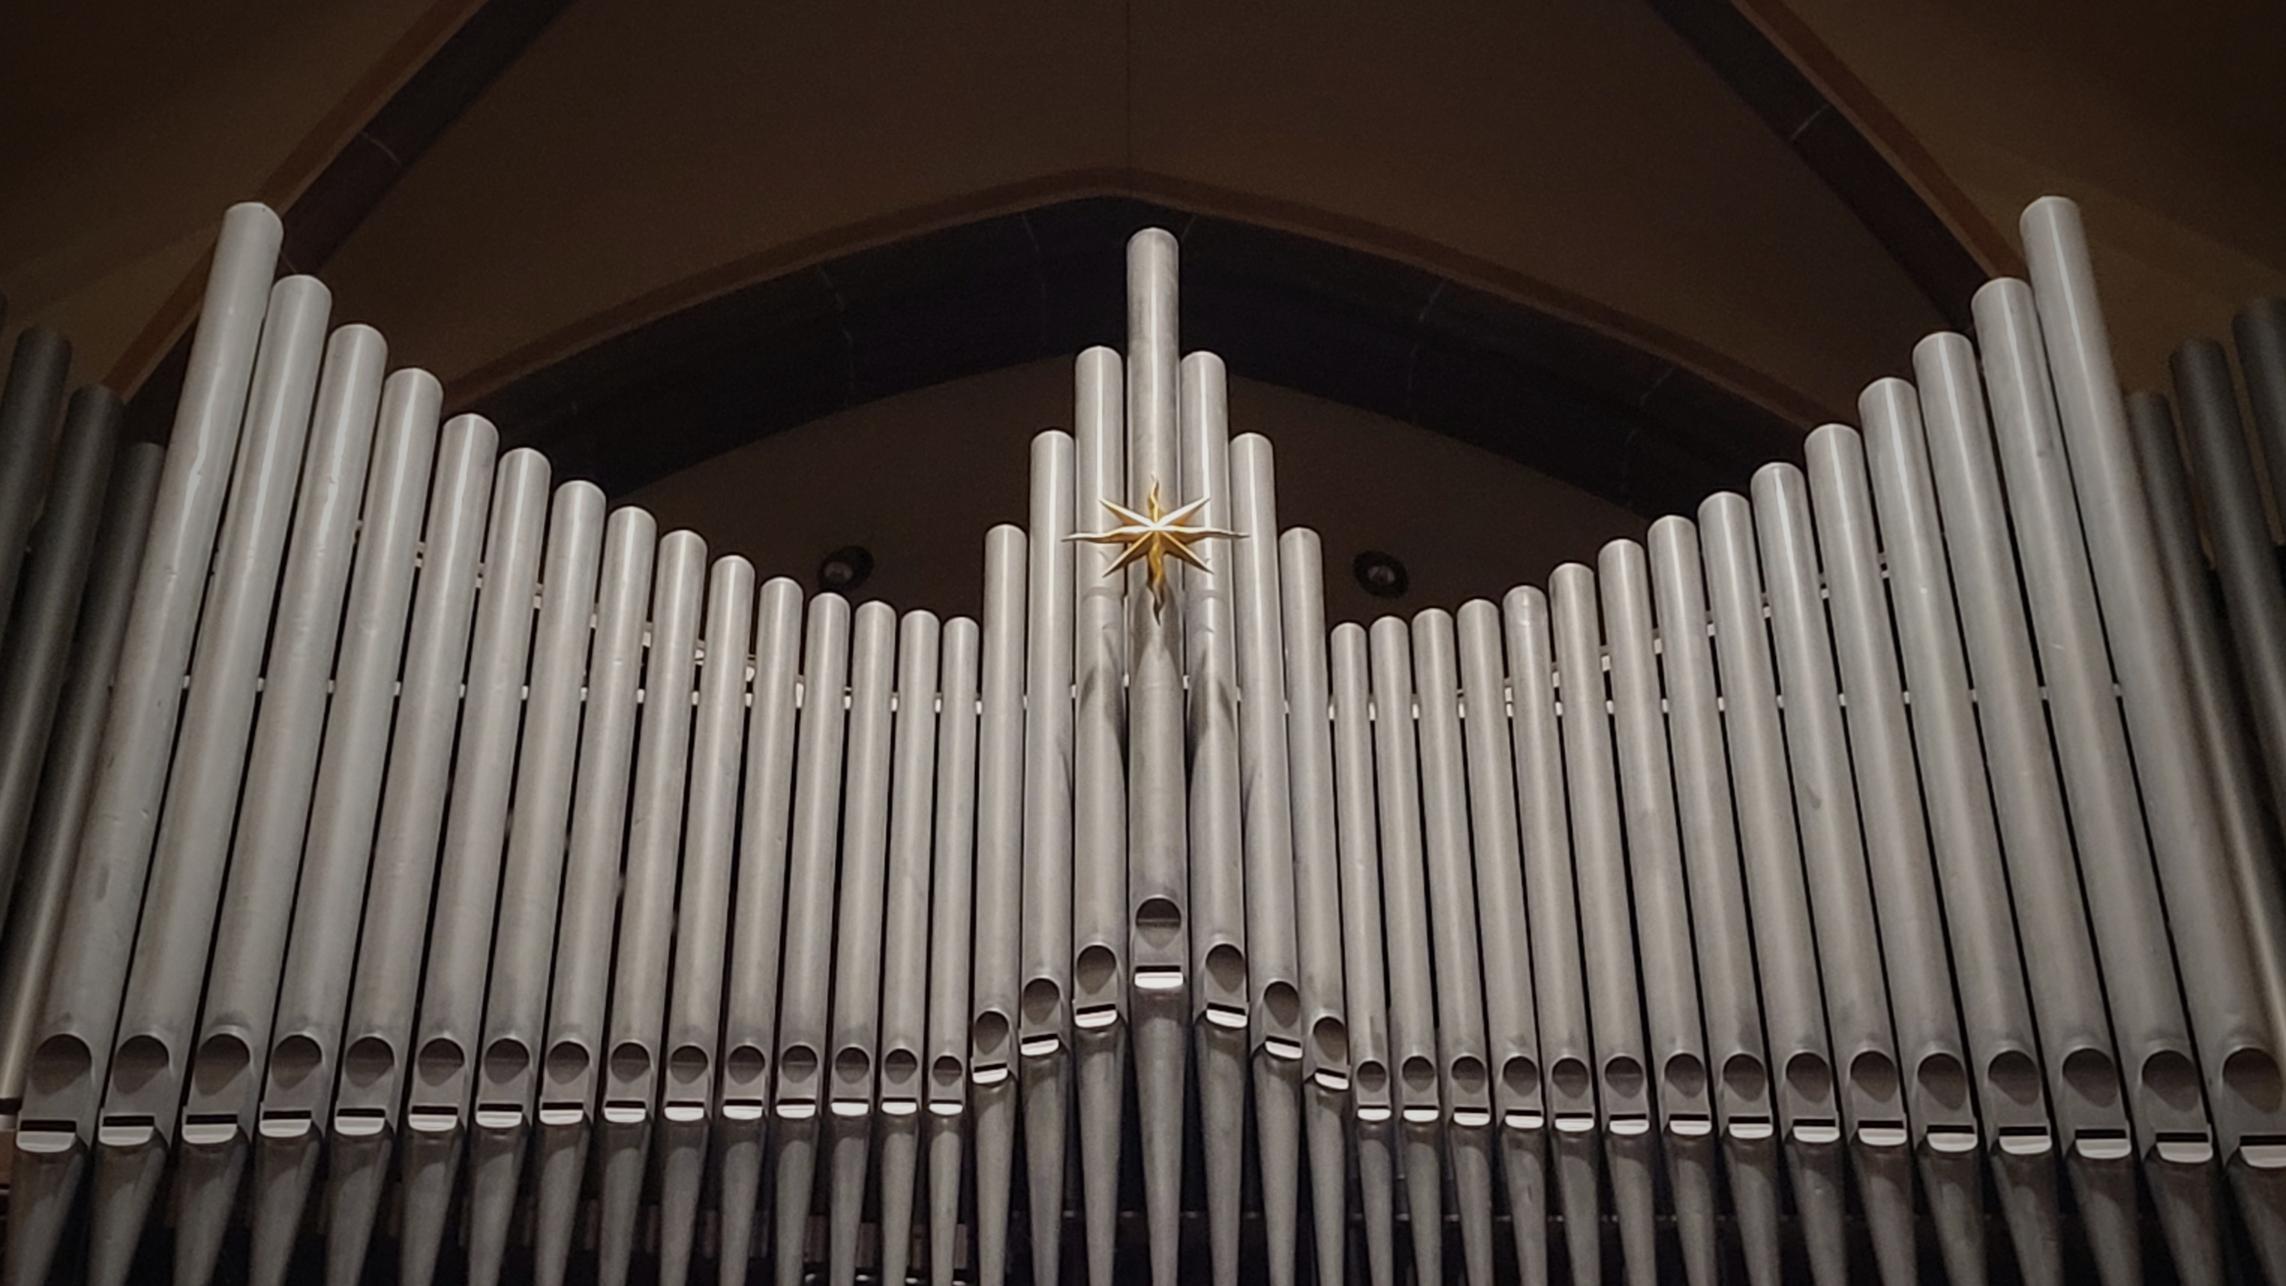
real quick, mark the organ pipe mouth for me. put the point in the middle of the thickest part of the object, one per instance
(432, 1118)
(797, 1082)
(1469, 1080)
(1160, 980)
(504, 1116)
(1815, 1130)
(2181, 1147)
(1882, 1134)
(1329, 1045)
(1372, 1086)
(988, 1037)
(1749, 1129)
(2025, 1140)
(1690, 1125)
(127, 1130)
(2103, 1145)
(359, 1122)
(1952, 1138)
(283, 1123)
(1682, 1084)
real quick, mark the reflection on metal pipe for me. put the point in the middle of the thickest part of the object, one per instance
(1405, 904)
(524, 946)
(1833, 861)
(1995, 1005)
(695, 988)
(851, 1083)
(1158, 888)
(1785, 951)
(1221, 1010)
(266, 851)
(40, 1195)
(1512, 1038)
(804, 993)
(952, 898)
(1043, 1026)
(647, 884)
(1099, 806)
(383, 994)
(998, 963)
(136, 1130)
(1326, 1064)
(1942, 1117)
(1456, 949)
(2256, 619)
(2148, 1021)
(1708, 828)
(67, 778)
(576, 994)
(33, 662)
(757, 925)
(1599, 866)
(1557, 977)
(2083, 1080)
(905, 935)
(29, 401)
(301, 1037)
(1662, 914)
(1364, 967)
(468, 875)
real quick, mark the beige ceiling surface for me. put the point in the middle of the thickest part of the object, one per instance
(129, 127)
(1573, 151)
(1569, 152)
(2166, 124)
(918, 479)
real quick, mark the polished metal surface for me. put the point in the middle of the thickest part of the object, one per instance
(1829, 881)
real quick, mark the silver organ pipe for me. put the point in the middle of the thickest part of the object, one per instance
(1884, 852)
(55, 574)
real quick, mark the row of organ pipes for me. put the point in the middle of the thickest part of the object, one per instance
(1880, 867)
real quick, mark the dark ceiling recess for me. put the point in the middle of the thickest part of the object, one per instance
(845, 569)
(1290, 310)
(1381, 575)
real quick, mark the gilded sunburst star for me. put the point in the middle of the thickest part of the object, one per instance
(1154, 536)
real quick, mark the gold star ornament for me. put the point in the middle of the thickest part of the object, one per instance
(1154, 536)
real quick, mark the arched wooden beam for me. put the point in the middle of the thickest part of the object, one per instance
(1554, 393)
(343, 167)
(1807, 96)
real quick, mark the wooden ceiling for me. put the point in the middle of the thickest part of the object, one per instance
(1775, 196)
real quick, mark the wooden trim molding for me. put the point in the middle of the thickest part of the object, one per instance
(348, 161)
(1801, 89)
